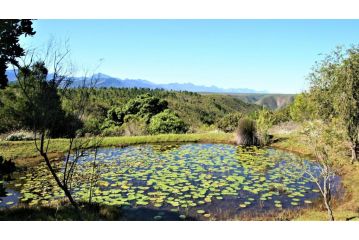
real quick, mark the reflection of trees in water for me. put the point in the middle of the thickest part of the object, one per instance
(2, 188)
(6, 167)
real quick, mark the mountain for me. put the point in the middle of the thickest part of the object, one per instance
(103, 80)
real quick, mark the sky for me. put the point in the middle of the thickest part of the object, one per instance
(270, 55)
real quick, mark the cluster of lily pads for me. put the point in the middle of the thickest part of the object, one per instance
(191, 179)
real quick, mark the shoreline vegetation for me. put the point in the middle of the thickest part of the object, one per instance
(22, 151)
(23, 154)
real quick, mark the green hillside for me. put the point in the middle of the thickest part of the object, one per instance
(195, 109)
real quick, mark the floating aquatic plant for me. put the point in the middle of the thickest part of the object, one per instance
(190, 177)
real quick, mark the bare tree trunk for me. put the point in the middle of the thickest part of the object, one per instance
(327, 197)
(329, 209)
(63, 186)
(354, 149)
(92, 176)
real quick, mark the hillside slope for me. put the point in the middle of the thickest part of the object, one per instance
(194, 108)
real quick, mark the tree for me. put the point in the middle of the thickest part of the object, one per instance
(10, 49)
(38, 105)
(40, 111)
(39, 108)
(322, 139)
(167, 122)
(302, 108)
(347, 101)
(334, 85)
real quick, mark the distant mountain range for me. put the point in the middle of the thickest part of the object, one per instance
(103, 80)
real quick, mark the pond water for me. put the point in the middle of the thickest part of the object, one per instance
(169, 182)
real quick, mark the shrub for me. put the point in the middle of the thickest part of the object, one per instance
(92, 126)
(229, 122)
(246, 133)
(166, 122)
(112, 131)
(282, 115)
(143, 106)
(134, 127)
(263, 123)
(303, 108)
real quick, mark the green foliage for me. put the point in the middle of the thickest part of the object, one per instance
(229, 122)
(10, 49)
(37, 104)
(263, 123)
(282, 115)
(92, 126)
(142, 107)
(8, 117)
(303, 108)
(105, 109)
(134, 116)
(167, 122)
(134, 126)
(334, 86)
(109, 106)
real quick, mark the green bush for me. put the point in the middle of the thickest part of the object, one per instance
(144, 106)
(229, 122)
(303, 108)
(92, 126)
(166, 122)
(134, 126)
(282, 115)
(112, 130)
(263, 123)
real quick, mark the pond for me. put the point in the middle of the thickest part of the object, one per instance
(179, 181)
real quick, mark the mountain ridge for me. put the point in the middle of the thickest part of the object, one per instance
(104, 80)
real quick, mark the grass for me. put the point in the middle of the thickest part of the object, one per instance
(24, 152)
(346, 208)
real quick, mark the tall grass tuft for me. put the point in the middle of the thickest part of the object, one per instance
(246, 133)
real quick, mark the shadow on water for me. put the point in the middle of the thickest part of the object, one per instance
(148, 214)
(89, 212)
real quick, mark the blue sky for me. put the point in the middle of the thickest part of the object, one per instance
(271, 55)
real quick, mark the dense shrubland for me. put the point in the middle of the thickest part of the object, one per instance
(119, 111)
